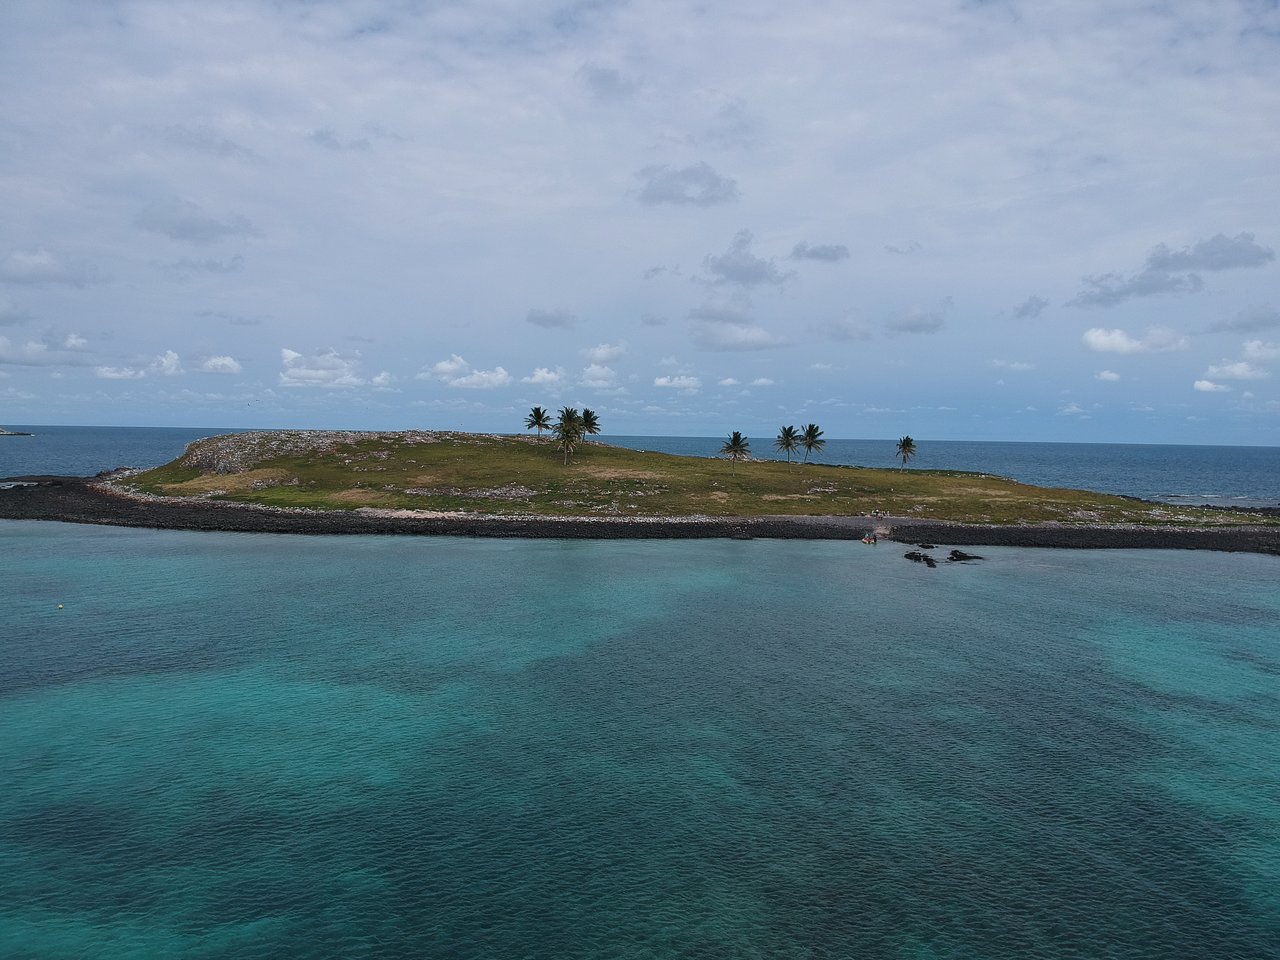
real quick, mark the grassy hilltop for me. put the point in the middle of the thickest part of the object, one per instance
(486, 474)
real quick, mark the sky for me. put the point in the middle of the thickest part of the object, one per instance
(956, 220)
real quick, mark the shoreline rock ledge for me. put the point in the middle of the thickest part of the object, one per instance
(96, 501)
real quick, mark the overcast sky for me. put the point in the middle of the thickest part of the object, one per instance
(958, 220)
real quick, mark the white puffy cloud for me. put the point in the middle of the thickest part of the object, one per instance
(686, 383)
(1208, 386)
(604, 352)
(729, 382)
(735, 336)
(482, 379)
(762, 382)
(382, 380)
(598, 376)
(1157, 340)
(222, 364)
(544, 376)
(1107, 376)
(456, 372)
(167, 364)
(1261, 351)
(328, 369)
(119, 373)
(1238, 370)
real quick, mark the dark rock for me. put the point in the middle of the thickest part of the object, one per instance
(926, 546)
(959, 556)
(915, 556)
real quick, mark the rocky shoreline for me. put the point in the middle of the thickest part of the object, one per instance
(95, 500)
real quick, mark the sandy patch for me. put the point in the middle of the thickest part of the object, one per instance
(229, 483)
(357, 495)
(787, 496)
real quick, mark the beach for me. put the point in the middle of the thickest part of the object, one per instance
(97, 501)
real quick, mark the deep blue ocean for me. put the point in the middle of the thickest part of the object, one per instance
(257, 746)
(1222, 476)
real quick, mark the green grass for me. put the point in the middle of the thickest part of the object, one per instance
(483, 474)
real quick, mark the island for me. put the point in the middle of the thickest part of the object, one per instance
(14, 433)
(441, 482)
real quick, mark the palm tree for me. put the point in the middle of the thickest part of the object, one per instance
(568, 431)
(906, 450)
(788, 441)
(538, 419)
(811, 440)
(736, 448)
(590, 422)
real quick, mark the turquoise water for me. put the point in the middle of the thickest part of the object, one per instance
(253, 746)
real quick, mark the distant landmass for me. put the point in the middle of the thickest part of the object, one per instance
(14, 433)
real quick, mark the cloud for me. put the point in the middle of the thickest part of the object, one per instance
(1014, 366)
(1170, 271)
(1219, 252)
(208, 265)
(328, 369)
(1109, 289)
(167, 364)
(1030, 308)
(598, 377)
(1157, 340)
(1239, 370)
(738, 265)
(686, 383)
(729, 382)
(223, 364)
(604, 352)
(916, 320)
(762, 382)
(551, 318)
(1208, 386)
(542, 376)
(44, 351)
(1107, 376)
(383, 380)
(606, 84)
(1072, 410)
(735, 336)
(184, 220)
(843, 330)
(1249, 321)
(328, 138)
(653, 320)
(119, 373)
(204, 139)
(1261, 351)
(456, 372)
(826, 253)
(39, 266)
(903, 251)
(697, 185)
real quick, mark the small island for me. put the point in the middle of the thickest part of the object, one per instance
(442, 482)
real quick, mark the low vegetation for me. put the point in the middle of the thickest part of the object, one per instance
(488, 474)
